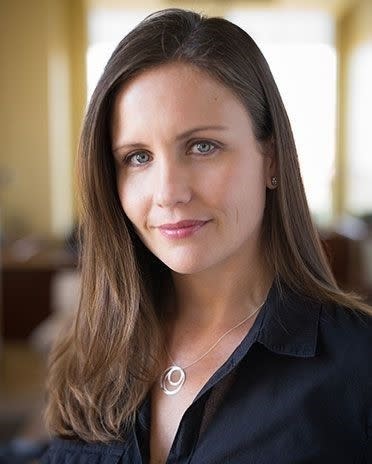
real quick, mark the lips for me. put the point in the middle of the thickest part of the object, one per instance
(181, 224)
(181, 229)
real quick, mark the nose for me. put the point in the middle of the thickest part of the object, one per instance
(172, 183)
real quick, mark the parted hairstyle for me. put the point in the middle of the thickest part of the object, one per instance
(101, 369)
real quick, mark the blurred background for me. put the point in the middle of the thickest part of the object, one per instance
(52, 53)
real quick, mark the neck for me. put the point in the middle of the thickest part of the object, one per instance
(221, 297)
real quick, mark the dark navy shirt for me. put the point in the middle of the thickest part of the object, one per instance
(297, 390)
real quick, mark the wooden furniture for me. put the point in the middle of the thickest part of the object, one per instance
(349, 264)
(27, 273)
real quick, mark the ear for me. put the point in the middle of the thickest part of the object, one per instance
(270, 166)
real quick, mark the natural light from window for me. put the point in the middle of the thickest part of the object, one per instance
(359, 140)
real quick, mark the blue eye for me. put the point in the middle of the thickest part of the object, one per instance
(204, 147)
(137, 159)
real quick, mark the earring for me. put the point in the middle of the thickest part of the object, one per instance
(274, 181)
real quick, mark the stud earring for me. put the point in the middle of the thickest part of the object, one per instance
(274, 181)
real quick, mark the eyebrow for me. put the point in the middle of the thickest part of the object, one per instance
(182, 136)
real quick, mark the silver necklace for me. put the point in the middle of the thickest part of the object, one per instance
(174, 376)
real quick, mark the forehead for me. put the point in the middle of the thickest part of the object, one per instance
(174, 95)
(171, 78)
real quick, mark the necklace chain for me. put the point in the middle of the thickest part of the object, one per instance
(218, 341)
(171, 386)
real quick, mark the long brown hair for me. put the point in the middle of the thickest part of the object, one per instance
(102, 369)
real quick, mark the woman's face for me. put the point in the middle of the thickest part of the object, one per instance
(185, 151)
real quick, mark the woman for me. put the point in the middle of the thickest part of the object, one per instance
(210, 328)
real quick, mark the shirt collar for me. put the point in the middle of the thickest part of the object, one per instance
(289, 324)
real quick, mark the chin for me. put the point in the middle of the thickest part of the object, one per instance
(186, 265)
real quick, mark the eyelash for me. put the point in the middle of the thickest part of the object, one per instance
(127, 159)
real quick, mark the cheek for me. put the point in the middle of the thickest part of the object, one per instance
(122, 190)
(130, 198)
(245, 195)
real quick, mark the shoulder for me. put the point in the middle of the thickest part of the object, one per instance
(347, 323)
(345, 348)
(63, 451)
(346, 335)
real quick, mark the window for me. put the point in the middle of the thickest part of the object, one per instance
(359, 141)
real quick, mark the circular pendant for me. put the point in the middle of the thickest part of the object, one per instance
(172, 385)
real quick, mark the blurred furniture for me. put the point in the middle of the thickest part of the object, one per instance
(351, 262)
(28, 269)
